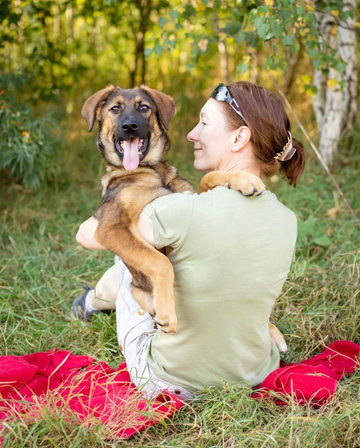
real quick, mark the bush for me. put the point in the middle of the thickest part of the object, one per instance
(26, 143)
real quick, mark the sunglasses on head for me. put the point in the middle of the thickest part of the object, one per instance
(221, 93)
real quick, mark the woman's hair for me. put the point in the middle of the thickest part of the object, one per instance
(269, 126)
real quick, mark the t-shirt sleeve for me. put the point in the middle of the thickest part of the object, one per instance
(171, 216)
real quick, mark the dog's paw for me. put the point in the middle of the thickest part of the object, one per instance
(248, 184)
(166, 321)
(282, 347)
(278, 338)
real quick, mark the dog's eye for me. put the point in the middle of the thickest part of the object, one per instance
(116, 109)
(144, 108)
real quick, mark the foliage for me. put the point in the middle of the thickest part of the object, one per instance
(26, 144)
(62, 43)
(288, 25)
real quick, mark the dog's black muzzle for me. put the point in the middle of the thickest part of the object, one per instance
(129, 129)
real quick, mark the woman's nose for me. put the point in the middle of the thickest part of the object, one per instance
(192, 135)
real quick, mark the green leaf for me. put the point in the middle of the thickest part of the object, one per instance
(288, 40)
(162, 22)
(317, 64)
(158, 50)
(148, 52)
(259, 21)
(242, 68)
(174, 15)
(240, 37)
(322, 240)
(263, 30)
(268, 62)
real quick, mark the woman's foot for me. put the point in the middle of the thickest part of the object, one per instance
(81, 310)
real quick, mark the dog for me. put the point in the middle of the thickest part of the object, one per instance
(133, 140)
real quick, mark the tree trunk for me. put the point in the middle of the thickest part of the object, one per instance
(144, 7)
(328, 100)
(292, 70)
(336, 110)
(224, 62)
(332, 120)
(325, 23)
(347, 51)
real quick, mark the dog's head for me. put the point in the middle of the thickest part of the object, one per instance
(132, 124)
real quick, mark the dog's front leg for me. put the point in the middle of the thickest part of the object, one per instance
(248, 184)
(152, 272)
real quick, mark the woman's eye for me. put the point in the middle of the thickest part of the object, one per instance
(115, 109)
(144, 108)
(203, 123)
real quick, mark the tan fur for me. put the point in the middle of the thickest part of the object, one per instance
(126, 193)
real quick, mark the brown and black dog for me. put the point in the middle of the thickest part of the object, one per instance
(133, 140)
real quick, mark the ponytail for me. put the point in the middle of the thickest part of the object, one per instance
(293, 168)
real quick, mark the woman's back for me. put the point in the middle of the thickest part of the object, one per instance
(231, 255)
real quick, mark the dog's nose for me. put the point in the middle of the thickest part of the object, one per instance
(130, 126)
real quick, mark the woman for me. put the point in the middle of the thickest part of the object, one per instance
(231, 255)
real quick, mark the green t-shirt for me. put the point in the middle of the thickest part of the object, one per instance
(231, 255)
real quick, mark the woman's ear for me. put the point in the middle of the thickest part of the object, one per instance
(242, 137)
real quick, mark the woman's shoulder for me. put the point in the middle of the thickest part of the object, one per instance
(265, 206)
(172, 202)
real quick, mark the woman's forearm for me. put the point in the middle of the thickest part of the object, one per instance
(86, 234)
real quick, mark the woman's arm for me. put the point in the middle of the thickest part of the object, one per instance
(146, 229)
(86, 233)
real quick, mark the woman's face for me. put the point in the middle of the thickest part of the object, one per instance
(212, 141)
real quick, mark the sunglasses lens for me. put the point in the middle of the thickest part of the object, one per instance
(220, 93)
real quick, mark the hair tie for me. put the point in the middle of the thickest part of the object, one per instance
(288, 150)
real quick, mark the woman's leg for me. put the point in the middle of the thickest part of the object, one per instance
(135, 330)
(103, 296)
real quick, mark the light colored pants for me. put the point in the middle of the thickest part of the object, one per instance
(135, 329)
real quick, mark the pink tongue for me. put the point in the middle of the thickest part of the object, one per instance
(131, 154)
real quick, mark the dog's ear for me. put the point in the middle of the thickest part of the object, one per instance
(164, 103)
(91, 105)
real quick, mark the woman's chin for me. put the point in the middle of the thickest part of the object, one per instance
(198, 165)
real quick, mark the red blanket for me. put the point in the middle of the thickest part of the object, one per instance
(314, 380)
(93, 392)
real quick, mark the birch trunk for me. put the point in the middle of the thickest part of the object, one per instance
(332, 120)
(336, 110)
(325, 22)
(347, 52)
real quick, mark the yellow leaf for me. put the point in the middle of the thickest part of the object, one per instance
(269, 2)
(332, 83)
(199, 7)
(335, 13)
(309, 7)
(306, 79)
(357, 24)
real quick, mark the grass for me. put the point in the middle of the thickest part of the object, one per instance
(43, 269)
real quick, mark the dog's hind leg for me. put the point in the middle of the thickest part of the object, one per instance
(144, 299)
